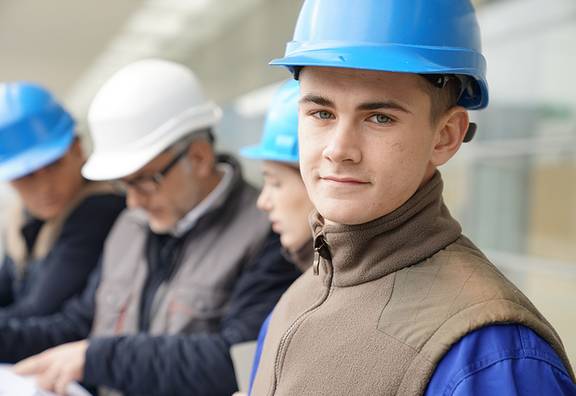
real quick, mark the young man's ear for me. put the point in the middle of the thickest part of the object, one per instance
(451, 130)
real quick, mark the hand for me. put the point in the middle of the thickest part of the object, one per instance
(57, 367)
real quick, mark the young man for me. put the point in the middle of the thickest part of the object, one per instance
(399, 301)
(188, 270)
(54, 236)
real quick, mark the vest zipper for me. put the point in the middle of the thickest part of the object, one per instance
(321, 251)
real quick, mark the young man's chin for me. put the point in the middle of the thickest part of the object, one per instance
(346, 215)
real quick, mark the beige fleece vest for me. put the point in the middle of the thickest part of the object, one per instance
(50, 231)
(384, 303)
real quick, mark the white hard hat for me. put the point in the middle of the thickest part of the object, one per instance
(139, 112)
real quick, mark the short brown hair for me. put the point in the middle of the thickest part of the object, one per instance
(444, 92)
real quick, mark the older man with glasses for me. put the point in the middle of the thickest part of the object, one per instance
(188, 270)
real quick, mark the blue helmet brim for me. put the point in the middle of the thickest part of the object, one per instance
(393, 58)
(36, 158)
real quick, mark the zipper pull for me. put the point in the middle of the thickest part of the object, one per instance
(316, 263)
(320, 250)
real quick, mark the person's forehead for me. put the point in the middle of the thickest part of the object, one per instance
(361, 84)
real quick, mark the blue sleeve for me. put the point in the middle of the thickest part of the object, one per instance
(258, 354)
(506, 360)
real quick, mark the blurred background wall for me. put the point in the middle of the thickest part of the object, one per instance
(513, 187)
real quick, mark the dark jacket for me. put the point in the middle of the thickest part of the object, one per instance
(38, 286)
(24, 337)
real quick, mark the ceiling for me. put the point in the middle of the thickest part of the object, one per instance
(70, 46)
(53, 42)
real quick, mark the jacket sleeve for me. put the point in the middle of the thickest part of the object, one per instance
(65, 270)
(507, 360)
(197, 364)
(21, 338)
(6, 282)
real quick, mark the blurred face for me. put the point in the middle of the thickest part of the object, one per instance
(285, 200)
(47, 192)
(179, 191)
(367, 141)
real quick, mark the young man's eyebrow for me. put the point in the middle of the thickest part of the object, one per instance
(391, 105)
(316, 99)
(322, 101)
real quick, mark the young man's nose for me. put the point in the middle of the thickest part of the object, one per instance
(342, 144)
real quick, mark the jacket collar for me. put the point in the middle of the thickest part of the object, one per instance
(214, 198)
(412, 233)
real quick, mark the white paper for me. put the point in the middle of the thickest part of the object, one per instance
(242, 357)
(15, 385)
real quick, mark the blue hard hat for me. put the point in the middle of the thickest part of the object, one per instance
(34, 129)
(418, 36)
(280, 137)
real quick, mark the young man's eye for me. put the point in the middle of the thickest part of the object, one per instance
(382, 119)
(323, 115)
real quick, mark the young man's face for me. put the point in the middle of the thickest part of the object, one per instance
(366, 141)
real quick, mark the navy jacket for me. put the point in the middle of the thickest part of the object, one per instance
(45, 285)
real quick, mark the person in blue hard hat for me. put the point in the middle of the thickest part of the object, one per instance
(54, 236)
(399, 301)
(283, 194)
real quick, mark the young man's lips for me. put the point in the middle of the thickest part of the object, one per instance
(344, 180)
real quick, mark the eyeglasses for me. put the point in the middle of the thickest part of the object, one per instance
(149, 184)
